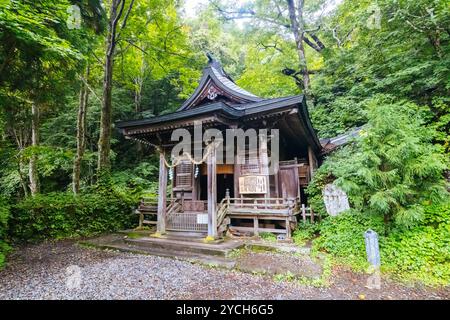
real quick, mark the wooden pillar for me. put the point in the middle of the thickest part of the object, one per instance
(264, 161)
(237, 174)
(212, 193)
(312, 161)
(162, 195)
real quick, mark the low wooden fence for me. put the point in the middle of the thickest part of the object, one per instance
(187, 221)
(307, 213)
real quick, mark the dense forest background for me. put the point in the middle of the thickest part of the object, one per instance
(70, 69)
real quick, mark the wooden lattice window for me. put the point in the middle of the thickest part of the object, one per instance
(183, 173)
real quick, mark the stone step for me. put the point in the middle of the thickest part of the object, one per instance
(220, 261)
(193, 247)
(198, 236)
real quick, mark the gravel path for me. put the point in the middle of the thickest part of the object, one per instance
(40, 272)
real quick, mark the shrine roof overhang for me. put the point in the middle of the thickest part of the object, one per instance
(331, 144)
(295, 120)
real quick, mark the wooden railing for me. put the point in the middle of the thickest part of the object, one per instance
(286, 206)
(178, 219)
(182, 217)
(258, 208)
(148, 206)
(173, 207)
(186, 221)
(222, 210)
(308, 212)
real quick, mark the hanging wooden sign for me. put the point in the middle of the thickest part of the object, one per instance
(252, 184)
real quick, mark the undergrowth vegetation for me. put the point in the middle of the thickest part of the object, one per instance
(4, 216)
(62, 215)
(393, 176)
(421, 253)
(56, 215)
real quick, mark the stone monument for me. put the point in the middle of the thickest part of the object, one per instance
(335, 200)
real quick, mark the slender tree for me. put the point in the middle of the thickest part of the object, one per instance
(81, 131)
(116, 11)
(32, 170)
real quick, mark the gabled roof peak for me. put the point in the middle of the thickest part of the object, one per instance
(216, 84)
(213, 63)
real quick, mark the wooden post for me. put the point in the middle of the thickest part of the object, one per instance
(141, 220)
(312, 162)
(162, 195)
(303, 213)
(264, 161)
(237, 174)
(288, 229)
(212, 193)
(255, 226)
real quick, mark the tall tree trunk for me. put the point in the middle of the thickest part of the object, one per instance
(81, 129)
(297, 27)
(23, 180)
(32, 171)
(20, 138)
(139, 83)
(104, 142)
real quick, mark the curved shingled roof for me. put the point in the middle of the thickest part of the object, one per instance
(216, 82)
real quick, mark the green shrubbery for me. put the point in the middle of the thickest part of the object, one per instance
(304, 232)
(420, 254)
(423, 252)
(62, 215)
(390, 173)
(393, 167)
(100, 208)
(343, 236)
(4, 216)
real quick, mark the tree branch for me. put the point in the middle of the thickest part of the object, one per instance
(311, 44)
(125, 19)
(248, 14)
(274, 46)
(317, 40)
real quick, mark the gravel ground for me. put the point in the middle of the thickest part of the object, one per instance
(41, 272)
(272, 263)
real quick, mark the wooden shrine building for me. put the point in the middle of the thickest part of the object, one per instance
(208, 198)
